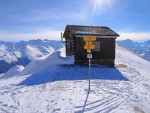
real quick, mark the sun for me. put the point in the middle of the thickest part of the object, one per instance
(98, 2)
(99, 5)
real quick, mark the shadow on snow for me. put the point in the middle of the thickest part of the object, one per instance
(59, 73)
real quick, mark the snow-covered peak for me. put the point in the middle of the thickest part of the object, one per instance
(8, 56)
(33, 49)
(33, 53)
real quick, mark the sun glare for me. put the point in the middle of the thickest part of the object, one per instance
(99, 5)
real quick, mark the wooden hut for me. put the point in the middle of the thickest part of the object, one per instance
(104, 52)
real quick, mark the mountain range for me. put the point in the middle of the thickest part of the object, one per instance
(21, 53)
(140, 48)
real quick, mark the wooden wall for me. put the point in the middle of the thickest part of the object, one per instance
(106, 55)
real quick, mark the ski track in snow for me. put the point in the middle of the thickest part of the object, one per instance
(71, 96)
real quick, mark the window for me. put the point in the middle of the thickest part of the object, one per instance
(97, 45)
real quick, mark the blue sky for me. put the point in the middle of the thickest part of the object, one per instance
(32, 19)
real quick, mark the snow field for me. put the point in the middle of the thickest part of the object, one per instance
(64, 88)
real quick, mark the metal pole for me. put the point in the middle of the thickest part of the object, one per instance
(89, 60)
(89, 71)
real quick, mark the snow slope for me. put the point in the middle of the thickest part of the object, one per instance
(44, 65)
(53, 85)
(12, 72)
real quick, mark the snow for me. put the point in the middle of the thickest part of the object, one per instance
(8, 57)
(17, 54)
(13, 51)
(86, 32)
(2, 50)
(138, 47)
(62, 52)
(49, 49)
(49, 62)
(126, 57)
(52, 84)
(33, 53)
(12, 72)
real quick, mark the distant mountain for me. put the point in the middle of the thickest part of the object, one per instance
(21, 53)
(140, 48)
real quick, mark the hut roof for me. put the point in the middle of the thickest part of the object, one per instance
(89, 30)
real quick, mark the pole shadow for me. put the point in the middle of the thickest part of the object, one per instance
(85, 103)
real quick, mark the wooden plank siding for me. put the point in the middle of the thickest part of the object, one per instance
(106, 53)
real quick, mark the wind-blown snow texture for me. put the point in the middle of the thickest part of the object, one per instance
(52, 84)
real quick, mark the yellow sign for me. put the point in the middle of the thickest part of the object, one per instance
(86, 38)
(89, 47)
(93, 38)
(88, 43)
